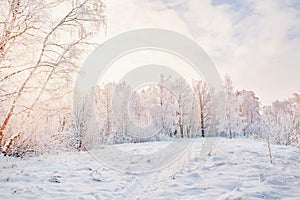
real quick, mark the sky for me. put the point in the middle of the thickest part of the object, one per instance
(256, 42)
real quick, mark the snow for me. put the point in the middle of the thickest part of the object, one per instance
(235, 169)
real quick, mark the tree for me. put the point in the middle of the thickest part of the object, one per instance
(186, 109)
(139, 113)
(282, 123)
(121, 113)
(204, 103)
(231, 107)
(162, 103)
(166, 104)
(248, 112)
(104, 107)
(81, 120)
(295, 101)
(39, 55)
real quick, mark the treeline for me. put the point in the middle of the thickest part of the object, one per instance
(168, 109)
(173, 108)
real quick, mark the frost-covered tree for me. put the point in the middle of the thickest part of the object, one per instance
(167, 104)
(104, 108)
(41, 49)
(82, 117)
(281, 122)
(270, 125)
(205, 105)
(186, 109)
(121, 113)
(143, 109)
(295, 101)
(138, 112)
(161, 104)
(248, 112)
(231, 108)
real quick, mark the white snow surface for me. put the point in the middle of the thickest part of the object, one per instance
(235, 169)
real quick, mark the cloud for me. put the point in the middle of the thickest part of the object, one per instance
(266, 57)
(126, 15)
(256, 42)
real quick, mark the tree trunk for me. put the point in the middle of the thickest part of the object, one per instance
(181, 130)
(8, 144)
(269, 148)
(7, 119)
(202, 124)
(201, 114)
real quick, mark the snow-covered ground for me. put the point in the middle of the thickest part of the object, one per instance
(236, 169)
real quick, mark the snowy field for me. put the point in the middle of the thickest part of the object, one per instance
(236, 169)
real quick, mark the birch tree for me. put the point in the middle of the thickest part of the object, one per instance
(249, 115)
(231, 107)
(104, 109)
(42, 44)
(204, 103)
